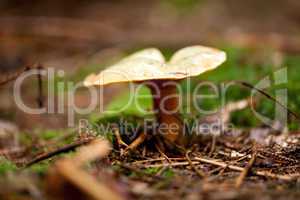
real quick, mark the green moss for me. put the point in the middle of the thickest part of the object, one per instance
(6, 166)
(40, 168)
(49, 134)
(151, 170)
(168, 173)
(183, 6)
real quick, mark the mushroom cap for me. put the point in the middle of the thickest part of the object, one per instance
(150, 64)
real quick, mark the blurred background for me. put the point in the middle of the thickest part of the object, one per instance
(82, 37)
(53, 30)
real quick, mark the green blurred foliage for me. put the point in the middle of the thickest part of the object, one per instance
(182, 6)
(40, 168)
(6, 166)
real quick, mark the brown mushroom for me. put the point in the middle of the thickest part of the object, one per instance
(149, 66)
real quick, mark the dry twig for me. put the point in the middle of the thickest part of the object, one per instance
(6, 78)
(240, 169)
(67, 148)
(173, 164)
(118, 137)
(139, 140)
(213, 145)
(199, 172)
(245, 172)
(198, 160)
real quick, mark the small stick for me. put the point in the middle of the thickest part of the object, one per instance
(224, 165)
(14, 76)
(244, 173)
(157, 146)
(154, 160)
(118, 137)
(215, 170)
(240, 169)
(173, 164)
(241, 158)
(139, 140)
(40, 87)
(248, 85)
(213, 145)
(67, 148)
(199, 172)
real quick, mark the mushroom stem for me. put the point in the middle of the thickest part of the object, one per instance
(166, 108)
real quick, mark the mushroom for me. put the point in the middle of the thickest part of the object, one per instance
(149, 67)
